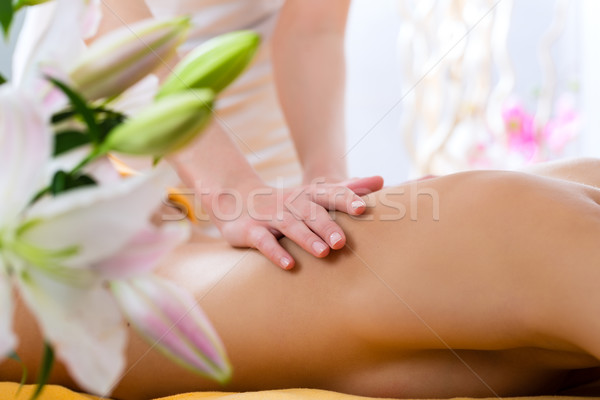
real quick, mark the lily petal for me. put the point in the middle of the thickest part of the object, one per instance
(169, 318)
(8, 340)
(24, 150)
(47, 37)
(84, 326)
(143, 253)
(92, 16)
(98, 220)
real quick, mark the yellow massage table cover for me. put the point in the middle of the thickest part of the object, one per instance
(8, 392)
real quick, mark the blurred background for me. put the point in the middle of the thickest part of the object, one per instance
(437, 86)
(447, 85)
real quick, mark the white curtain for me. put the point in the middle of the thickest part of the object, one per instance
(530, 50)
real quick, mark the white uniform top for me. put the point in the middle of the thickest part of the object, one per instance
(249, 109)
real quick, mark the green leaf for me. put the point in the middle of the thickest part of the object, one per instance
(110, 122)
(59, 182)
(2, 79)
(15, 356)
(62, 116)
(69, 140)
(63, 181)
(39, 195)
(81, 107)
(82, 180)
(45, 369)
(108, 113)
(6, 15)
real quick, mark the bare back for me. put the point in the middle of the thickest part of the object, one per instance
(465, 262)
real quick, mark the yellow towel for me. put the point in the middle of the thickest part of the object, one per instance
(8, 391)
(52, 392)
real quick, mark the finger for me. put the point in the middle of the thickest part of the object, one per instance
(263, 240)
(295, 228)
(327, 229)
(363, 186)
(319, 223)
(339, 198)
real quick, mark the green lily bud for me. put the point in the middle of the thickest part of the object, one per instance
(214, 64)
(165, 126)
(121, 58)
(27, 3)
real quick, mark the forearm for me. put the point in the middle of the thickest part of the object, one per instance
(118, 14)
(214, 163)
(309, 66)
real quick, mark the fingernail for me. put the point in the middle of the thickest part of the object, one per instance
(284, 262)
(319, 247)
(335, 238)
(358, 204)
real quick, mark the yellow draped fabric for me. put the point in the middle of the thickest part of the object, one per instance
(8, 391)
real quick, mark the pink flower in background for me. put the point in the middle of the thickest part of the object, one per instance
(520, 130)
(560, 130)
(525, 141)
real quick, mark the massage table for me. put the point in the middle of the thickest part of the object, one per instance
(52, 392)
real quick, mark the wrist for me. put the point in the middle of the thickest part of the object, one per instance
(226, 195)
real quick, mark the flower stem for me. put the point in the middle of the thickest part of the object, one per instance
(44, 373)
(97, 152)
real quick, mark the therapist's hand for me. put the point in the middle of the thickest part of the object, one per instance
(256, 215)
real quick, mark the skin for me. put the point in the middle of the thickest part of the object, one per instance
(309, 67)
(502, 268)
(309, 74)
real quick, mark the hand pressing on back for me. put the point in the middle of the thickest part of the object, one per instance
(257, 215)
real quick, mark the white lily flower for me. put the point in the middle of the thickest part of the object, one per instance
(101, 219)
(24, 151)
(22, 156)
(82, 323)
(61, 252)
(52, 37)
(78, 315)
(143, 252)
(80, 229)
(49, 251)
